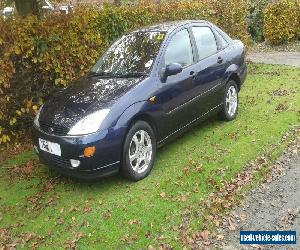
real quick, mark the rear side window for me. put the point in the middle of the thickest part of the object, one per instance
(205, 42)
(222, 42)
(179, 49)
(223, 34)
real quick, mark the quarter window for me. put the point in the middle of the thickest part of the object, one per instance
(222, 42)
(180, 49)
(205, 42)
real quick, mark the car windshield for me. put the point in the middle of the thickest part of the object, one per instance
(132, 55)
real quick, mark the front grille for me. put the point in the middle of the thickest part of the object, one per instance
(53, 129)
(55, 161)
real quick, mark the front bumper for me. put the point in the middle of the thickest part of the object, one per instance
(105, 161)
(243, 73)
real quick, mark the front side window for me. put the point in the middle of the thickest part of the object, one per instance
(132, 54)
(179, 50)
(205, 42)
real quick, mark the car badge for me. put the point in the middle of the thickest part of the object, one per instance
(50, 130)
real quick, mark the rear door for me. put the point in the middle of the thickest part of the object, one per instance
(210, 70)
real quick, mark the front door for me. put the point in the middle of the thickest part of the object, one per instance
(175, 93)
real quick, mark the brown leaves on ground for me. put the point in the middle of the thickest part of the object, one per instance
(192, 166)
(161, 247)
(162, 195)
(36, 201)
(87, 208)
(5, 237)
(23, 171)
(134, 222)
(71, 244)
(106, 215)
(9, 241)
(129, 239)
(221, 201)
(279, 93)
(23, 144)
(215, 208)
(288, 220)
(281, 108)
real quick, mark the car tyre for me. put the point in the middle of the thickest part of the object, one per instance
(139, 151)
(230, 102)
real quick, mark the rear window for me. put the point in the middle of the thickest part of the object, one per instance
(222, 42)
(205, 41)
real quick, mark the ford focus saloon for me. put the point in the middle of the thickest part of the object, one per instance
(150, 86)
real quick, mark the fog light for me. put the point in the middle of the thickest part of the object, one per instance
(89, 152)
(75, 163)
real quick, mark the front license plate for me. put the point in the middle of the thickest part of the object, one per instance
(50, 147)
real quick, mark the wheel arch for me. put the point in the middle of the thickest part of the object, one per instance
(235, 77)
(146, 118)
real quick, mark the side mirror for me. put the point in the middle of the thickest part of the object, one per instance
(171, 70)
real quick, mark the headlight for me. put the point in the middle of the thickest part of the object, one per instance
(37, 117)
(89, 124)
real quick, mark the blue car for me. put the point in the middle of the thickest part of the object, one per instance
(150, 86)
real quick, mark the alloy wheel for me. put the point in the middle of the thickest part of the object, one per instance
(231, 101)
(140, 151)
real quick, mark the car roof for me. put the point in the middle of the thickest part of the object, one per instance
(169, 26)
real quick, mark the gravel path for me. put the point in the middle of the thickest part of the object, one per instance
(285, 58)
(274, 205)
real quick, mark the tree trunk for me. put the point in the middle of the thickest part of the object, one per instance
(27, 7)
(117, 2)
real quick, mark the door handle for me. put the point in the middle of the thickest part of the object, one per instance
(220, 60)
(193, 74)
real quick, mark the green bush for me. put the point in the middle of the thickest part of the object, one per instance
(40, 56)
(282, 21)
(255, 19)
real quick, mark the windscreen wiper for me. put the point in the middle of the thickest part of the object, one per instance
(99, 74)
(130, 74)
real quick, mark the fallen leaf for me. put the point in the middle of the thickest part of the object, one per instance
(220, 237)
(204, 235)
(163, 195)
(86, 208)
(184, 198)
(106, 215)
(60, 221)
(232, 226)
(136, 222)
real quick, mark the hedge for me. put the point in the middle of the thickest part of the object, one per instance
(40, 56)
(282, 21)
(255, 19)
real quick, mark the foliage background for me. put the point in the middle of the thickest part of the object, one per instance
(40, 56)
(282, 21)
(255, 19)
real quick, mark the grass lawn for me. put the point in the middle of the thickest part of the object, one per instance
(39, 208)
